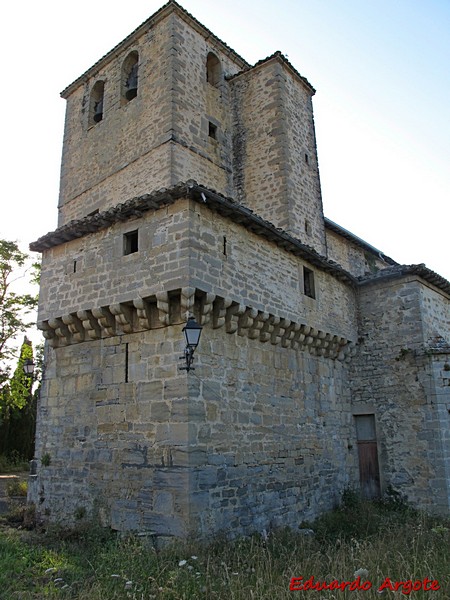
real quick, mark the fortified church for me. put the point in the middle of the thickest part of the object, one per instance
(190, 187)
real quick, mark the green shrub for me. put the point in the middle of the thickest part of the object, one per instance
(16, 487)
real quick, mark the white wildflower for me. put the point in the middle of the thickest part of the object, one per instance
(128, 585)
(115, 575)
(50, 570)
(194, 557)
(363, 573)
(182, 563)
(190, 567)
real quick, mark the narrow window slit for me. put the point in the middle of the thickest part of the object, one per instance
(308, 283)
(212, 130)
(126, 363)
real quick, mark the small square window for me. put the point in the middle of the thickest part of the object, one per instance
(308, 283)
(130, 242)
(212, 130)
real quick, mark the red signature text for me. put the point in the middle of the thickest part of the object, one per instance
(405, 587)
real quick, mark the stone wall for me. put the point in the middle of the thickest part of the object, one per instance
(186, 245)
(125, 154)
(158, 138)
(275, 157)
(392, 377)
(353, 258)
(435, 308)
(257, 436)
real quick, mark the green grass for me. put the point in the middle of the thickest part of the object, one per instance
(89, 563)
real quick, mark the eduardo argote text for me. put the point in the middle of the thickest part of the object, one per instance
(405, 587)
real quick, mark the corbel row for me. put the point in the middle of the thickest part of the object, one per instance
(158, 311)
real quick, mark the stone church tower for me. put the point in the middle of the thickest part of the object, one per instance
(190, 187)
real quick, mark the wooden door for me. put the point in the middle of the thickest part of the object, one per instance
(369, 472)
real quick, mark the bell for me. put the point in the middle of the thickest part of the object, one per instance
(132, 83)
(131, 93)
(98, 111)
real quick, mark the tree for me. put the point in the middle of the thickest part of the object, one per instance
(14, 308)
(18, 410)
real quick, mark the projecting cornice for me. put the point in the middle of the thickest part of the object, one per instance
(174, 307)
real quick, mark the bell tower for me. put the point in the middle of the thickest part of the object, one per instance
(190, 188)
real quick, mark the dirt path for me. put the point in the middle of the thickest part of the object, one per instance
(5, 480)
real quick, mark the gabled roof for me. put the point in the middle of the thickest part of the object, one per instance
(279, 56)
(351, 237)
(163, 12)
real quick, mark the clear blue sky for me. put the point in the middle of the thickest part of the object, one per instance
(382, 108)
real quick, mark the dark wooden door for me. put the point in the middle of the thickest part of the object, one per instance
(369, 471)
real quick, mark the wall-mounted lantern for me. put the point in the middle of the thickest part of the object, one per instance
(28, 366)
(192, 331)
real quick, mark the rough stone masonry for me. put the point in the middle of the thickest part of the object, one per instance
(190, 187)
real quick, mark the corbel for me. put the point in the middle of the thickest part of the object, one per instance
(187, 300)
(123, 315)
(143, 313)
(232, 317)
(106, 320)
(246, 320)
(162, 303)
(90, 324)
(206, 308)
(220, 308)
(75, 327)
(61, 330)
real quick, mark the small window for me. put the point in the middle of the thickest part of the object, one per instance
(130, 242)
(129, 83)
(212, 130)
(213, 70)
(308, 283)
(306, 158)
(96, 103)
(307, 227)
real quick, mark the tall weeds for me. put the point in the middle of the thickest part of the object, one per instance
(373, 540)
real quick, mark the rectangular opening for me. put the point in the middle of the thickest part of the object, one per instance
(212, 130)
(130, 242)
(308, 283)
(126, 363)
(74, 266)
(224, 245)
(307, 227)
